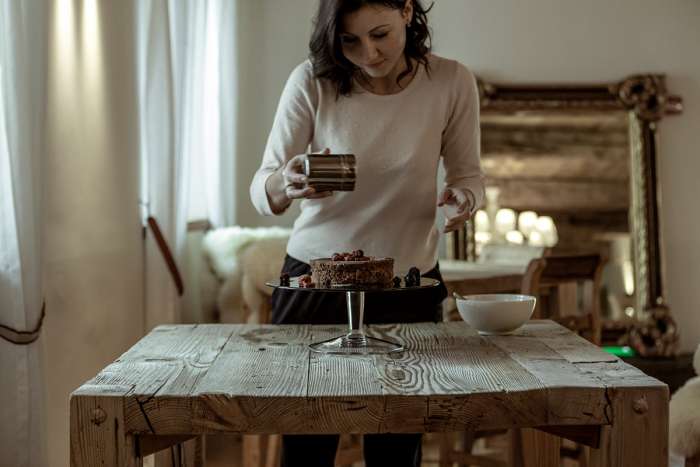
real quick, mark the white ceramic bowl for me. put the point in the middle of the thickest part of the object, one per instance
(496, 313)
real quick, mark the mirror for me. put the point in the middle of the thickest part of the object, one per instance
(585, 156)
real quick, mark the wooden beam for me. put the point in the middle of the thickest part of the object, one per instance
(148, 444)
(586, 434)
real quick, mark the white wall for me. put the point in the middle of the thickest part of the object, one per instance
(538, 40)
(92, 231)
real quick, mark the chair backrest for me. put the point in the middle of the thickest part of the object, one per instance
(566, 273)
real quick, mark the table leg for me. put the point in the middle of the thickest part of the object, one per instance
(638, 435)
(97, 436)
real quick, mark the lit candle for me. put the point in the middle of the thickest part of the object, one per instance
(545, 225)
(482, 237)
(526, 222)
(481, 221)
(516, 237)
(535, 238)
(505, 221)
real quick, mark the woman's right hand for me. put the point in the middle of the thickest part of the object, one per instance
(294, 180)
(288, 183)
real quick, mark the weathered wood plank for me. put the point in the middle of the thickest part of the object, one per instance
(263, 361)
(169, 362)
(157, 410)
(639, 433)
(619, 374)
(263, 379)
(569, 345)
(97, 431)
(572, 396)
(255, 336)
(417, 336)
(588, 435)
(462, 363)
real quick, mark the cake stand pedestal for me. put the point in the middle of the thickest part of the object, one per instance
(355, 342)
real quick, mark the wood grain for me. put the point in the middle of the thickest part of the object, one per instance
(189, 380)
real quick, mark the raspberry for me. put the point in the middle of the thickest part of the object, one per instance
(306, 282)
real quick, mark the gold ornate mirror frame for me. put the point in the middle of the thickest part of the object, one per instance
(647, 101)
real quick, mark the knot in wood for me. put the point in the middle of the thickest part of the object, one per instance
(98, 416)
(640, 405)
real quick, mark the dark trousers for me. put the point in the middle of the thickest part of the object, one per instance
(301, 307)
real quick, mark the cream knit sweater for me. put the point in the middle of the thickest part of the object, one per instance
(398, 140)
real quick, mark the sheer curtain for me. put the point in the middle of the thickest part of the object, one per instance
(186, 92)
(22, 71)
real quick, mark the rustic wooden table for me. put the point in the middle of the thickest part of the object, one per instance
(186, 380)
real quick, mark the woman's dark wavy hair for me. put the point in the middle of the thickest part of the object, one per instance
(326, 52)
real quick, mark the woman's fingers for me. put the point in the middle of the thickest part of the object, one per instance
(320, 194)
(306, 192)
(455, 222)
(296, 193)
(446, 196)
(296, 178)
(463, 206)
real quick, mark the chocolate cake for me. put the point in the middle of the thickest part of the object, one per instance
(352, 269)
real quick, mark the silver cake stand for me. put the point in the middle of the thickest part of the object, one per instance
(355, 342)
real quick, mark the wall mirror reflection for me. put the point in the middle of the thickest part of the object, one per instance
(571, 170)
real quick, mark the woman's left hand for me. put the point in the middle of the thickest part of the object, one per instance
(457, 208)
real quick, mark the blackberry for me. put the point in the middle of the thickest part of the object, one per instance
(409, 280)
(414, 273)
(284, 279)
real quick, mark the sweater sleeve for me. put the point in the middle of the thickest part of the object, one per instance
(291, 133)
(461, 140)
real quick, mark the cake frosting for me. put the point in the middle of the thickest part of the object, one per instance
(352, 269)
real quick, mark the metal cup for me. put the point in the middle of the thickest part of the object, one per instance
(330, 172)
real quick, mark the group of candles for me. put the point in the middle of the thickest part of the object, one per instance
(526, 227)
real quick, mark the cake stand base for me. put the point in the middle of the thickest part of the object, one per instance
(351, 344)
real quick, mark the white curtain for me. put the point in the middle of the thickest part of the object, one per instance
(22, 73)
(185, 118)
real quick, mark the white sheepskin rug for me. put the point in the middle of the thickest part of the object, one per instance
(684, 416)
(244, 258)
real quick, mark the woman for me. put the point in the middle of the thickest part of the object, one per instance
(372, 88)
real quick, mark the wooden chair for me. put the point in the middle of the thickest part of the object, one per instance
(464, 456)
(557, 292)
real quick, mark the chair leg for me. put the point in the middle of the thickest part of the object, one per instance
(534, 448)
(273, 451)
(349, 450)
(252, 450)
(447, 443)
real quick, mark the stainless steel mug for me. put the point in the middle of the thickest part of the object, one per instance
(330, 172)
